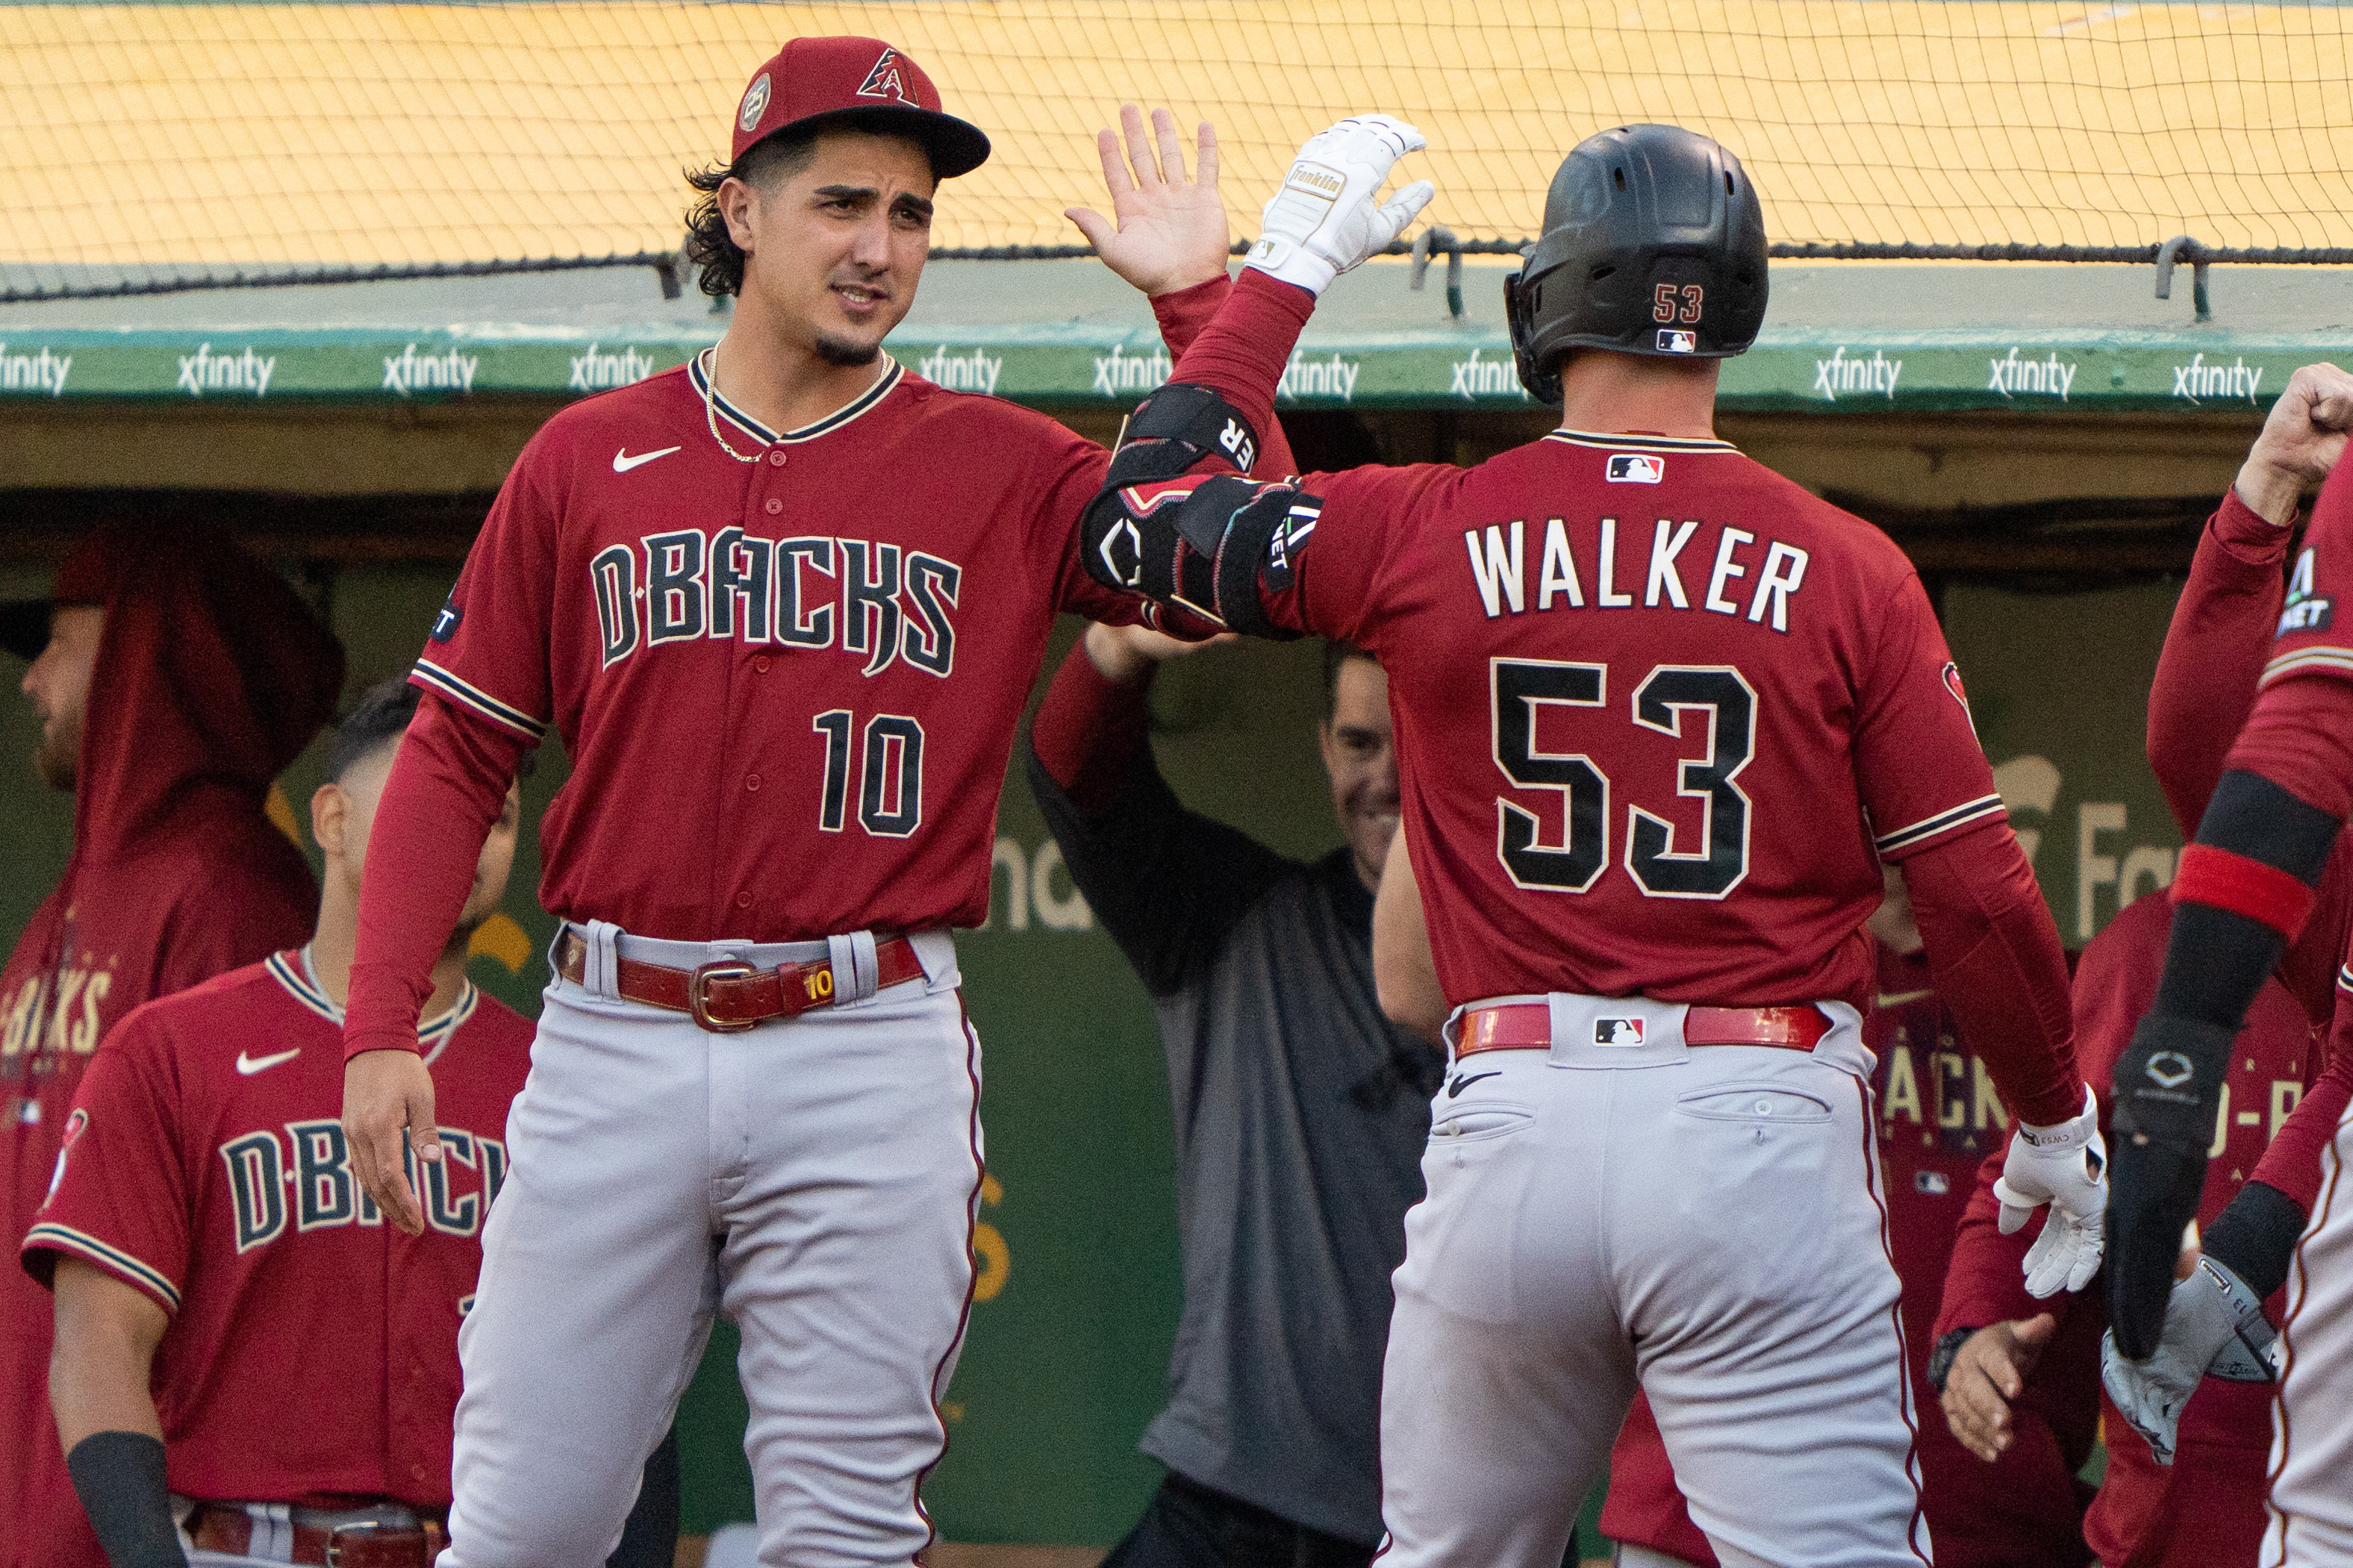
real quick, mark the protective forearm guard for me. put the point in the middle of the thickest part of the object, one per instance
(118, 1476)
(1165, 528)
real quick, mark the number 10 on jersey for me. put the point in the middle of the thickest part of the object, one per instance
(890, 774)
(1712, 868)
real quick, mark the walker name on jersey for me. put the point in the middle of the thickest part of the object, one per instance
(1744, 576)
(303, 1178)
(867, 598)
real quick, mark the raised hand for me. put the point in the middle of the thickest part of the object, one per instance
(1168, 232)
(1328, 217)
(2302, 440)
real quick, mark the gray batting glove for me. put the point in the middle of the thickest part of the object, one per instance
(2214, 1327)
(2064, 1165)
(1328, 217)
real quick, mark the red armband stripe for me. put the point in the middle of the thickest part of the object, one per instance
(2226, 880)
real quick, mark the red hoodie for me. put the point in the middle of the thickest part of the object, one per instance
(211, 676)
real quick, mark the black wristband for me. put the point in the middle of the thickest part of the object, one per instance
(2254, 1236)
(1941, 1355)
(118, 1476)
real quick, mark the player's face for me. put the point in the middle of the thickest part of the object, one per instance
(834, 248)
(490, 871)
(1360, 753)
(362, 788)
(59, 684)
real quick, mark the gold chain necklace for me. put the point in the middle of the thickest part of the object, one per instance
(711, 413)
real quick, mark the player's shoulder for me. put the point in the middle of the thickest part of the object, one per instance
(201, 1017)
(492, 1019)
(490, 1036)
(975, 409)
(655, 403)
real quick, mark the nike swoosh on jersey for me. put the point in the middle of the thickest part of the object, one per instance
(1898, 998)
(623, 462)
(248, 1066)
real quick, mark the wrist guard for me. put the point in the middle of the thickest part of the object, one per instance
(118, 1476)
(1206, 542)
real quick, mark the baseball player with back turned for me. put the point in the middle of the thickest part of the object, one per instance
(1660, 716)
(785, 605)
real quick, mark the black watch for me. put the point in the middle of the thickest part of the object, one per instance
(1940, 1358)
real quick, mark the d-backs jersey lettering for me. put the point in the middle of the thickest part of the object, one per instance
(312, 1351)
(788, 684)
(1661, 714)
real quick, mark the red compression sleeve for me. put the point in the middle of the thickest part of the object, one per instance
(1091, 731)
(1998, 964)
(2300, 738)
(449, 783)
(1986, 1281)
(2292, 1161)
(1184, 316)
(1243, 350)
(2215, 649)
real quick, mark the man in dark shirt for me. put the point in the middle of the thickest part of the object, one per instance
(1301, 1112)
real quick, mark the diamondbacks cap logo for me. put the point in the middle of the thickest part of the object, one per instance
(1617, 1031)
(755, 103)
(1636, 469)
(883, 81)
(1676, 342)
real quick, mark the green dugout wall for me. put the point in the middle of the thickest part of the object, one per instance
(2044, 442)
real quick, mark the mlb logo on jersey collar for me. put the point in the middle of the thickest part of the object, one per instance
(1636, 469)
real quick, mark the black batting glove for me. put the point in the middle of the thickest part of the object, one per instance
(2166, 1083)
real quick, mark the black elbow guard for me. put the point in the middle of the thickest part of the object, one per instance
(1206, 544)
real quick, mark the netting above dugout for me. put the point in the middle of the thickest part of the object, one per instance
(176, 144)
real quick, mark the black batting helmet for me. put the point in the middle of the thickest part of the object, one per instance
(1653, 244)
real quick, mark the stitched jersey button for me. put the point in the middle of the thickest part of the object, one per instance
(777, 458)
(751, 781)
(774, 506)
(742, 901)
(760, 665)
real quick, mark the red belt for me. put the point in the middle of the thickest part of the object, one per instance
(1527, 1025)
(731, 994)
(227, 1529)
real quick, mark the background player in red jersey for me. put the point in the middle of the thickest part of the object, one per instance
(2206, 1512)
(234, 1318)
(1654, 743)
(2265, 876)
(175, 678)
(785, 605)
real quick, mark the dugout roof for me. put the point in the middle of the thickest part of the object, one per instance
(1839, 338)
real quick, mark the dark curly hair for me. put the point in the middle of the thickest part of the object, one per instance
(708, 244)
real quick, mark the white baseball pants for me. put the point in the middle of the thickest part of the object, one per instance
(1706, 1220)
(2312, 1424)
(812, 1179)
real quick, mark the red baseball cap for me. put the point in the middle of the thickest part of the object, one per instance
(861, 84)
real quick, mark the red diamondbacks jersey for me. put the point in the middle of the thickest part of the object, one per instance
(1661, 714)
(789, 687)
(312, 1351)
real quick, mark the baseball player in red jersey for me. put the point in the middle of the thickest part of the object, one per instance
(2207, 1511)
(785, 606)
(1660, 715)
(1937, 1120)
(2265, 868)
(236, 1322)
(175, 678)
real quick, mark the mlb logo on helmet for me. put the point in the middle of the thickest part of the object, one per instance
(1617, 1031)
(1636, 469)
(854, 84)
(1677, 342)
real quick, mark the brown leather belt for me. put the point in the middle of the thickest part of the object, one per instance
(731, 995)
(1527, 1025)
(225, 1528)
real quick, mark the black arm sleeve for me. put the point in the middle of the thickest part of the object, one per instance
(118, 1476)
(1167, 883)
(2254, 1236)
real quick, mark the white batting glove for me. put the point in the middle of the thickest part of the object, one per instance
(1328, 218)
(2064, 1165)
(2214, 1327)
